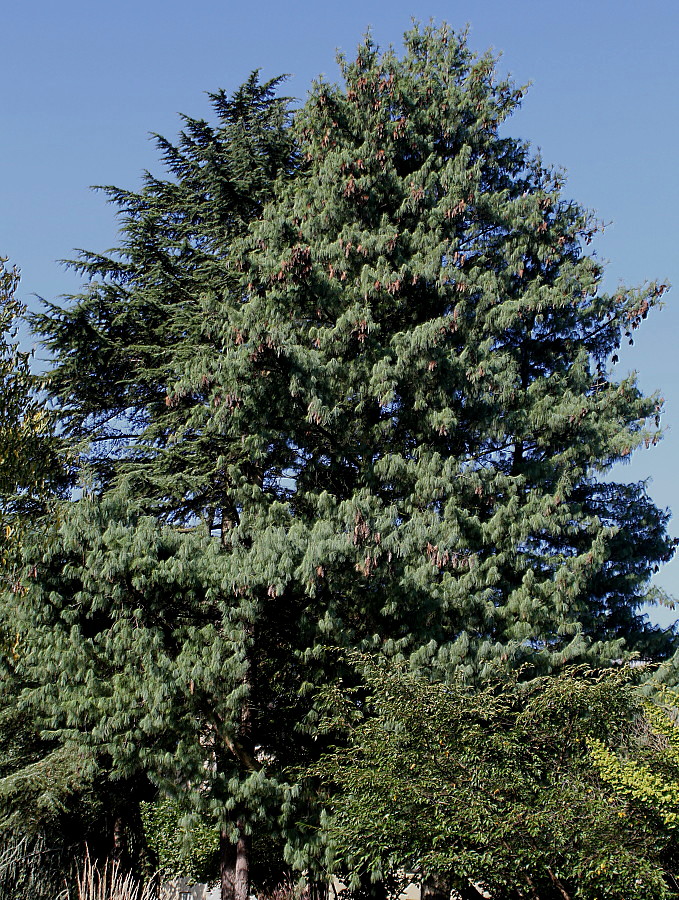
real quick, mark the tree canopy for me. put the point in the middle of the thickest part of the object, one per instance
(348, 380)
(498, 792)
(29, 468)
(55, 797)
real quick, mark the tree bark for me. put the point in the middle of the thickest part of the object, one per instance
(234, 865)
(120, 851)
(234, 858)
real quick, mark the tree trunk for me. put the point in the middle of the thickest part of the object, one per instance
(234, 861)
(234, 865)
(120, 850)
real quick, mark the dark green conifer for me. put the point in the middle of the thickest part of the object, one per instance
(345, 383)
(53, 797)
(127, 349)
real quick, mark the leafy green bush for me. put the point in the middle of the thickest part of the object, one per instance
(497, 789)
(180, 850)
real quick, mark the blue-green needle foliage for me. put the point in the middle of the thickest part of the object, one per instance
(346, 381)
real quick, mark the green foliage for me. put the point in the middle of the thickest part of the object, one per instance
(423, 295)
(48, 802)
(188, 847)
(646, 772)
(55, 799)
(28, 463)
(30, 470)
(347, 380)
(47, 787)
(42, 786)
(54, 795)
(152, 311)
(41, 783)
(178, 851)
(491, 790)
(148, 663)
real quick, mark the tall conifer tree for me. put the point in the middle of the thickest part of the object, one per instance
(346, 382)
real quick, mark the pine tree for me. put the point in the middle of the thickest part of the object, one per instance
(424, 293)
(188, 655)
(126, 348)
(346, 382)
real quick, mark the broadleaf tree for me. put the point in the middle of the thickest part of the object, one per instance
(498, 792)
(348, 380)
(30, 470)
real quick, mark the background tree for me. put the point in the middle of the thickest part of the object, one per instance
(495, 792)
(344, 382)
(54, 797)
(29, 468)
(126, 350)
(645, 771)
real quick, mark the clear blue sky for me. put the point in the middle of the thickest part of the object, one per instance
(85, 83)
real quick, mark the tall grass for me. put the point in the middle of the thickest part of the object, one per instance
(28, 869)
(111, 882)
